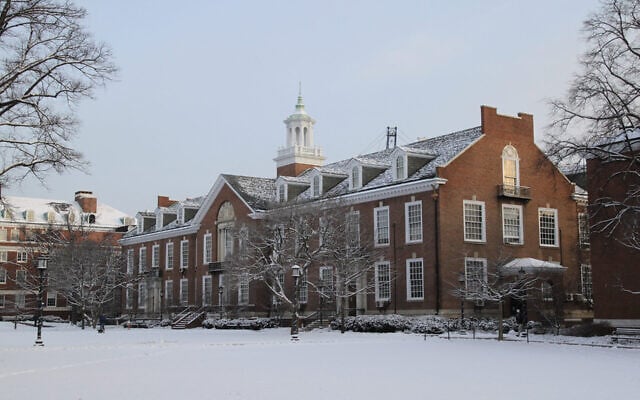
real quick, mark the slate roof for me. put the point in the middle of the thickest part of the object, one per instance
(257, 192)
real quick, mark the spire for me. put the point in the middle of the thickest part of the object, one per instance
(300, 105)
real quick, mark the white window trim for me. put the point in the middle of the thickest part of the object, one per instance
(313, 193)
(130, 261)
(466, 275)
(142, 263)
(182, 251)
(377, 281)
(282, 193)
(376, 239)
(484, 221)
(183, 280)
(155, 256)
(22, 256)
(207, 246)
(207, 301)
(556, 229)
(407, 228)
(517, 164)
(168, 294)
(142, 287)
(244, 279)
(168, 261)
(355, 185)
(408, 279)
(521, 228)
(3, 275)
(397, 177)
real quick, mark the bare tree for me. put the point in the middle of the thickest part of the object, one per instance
(49, 62)
(599, 118)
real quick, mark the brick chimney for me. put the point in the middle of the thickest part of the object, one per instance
(165, 201)
(87, 201)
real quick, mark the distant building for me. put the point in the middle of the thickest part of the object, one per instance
(21, 220)
(444, 209)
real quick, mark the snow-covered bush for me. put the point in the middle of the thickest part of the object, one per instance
(240, 323)
(419, 324)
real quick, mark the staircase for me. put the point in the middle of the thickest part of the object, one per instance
(188, 319)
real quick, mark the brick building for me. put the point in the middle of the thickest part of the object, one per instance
(442, 210)
(22, 219)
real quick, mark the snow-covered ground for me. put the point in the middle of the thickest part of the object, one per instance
(161, 363)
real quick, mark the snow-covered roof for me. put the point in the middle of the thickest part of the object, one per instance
(29, 210)
(257, 192)
(530, 265)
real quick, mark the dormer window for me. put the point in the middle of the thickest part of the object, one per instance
(400, 171)
(510, 167)
(356, 178)
(30, 215)
(316, 186)
(282, 193)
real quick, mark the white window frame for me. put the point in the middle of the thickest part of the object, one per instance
(169, 253)
(130, 261)
(409, 237)
(51, 294)
(510, 239)
(184, 292)
(400, 169)
(353, 229)
(325, 289)
(207, 286)
(184, 254)
(471, 236)
(155, 256)
(409, 279)
(382, 280)
(22, 256)
(586, 281)
(207, 249)
(506, 157)
(303, 289)
(381, 232)
(142, 295)
(168, 293)
(4, 256)
(583, 230)
(128, 296)
(355, 177)
(3, 235)
(142, 259)
(20, 299)
(316, 186)
(474, 291)
(542, 231)
(282, 193)
(3, 276)
(243, 289)
(21, 277)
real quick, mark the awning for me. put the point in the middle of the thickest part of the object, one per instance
(530, 265)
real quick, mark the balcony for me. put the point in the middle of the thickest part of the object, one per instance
(514, 192)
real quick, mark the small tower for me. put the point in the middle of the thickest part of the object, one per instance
(300, 153)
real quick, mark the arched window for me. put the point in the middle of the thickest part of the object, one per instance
(316, 186)
(355, 177)
(400, 167)
(510, 167)
(298, 138)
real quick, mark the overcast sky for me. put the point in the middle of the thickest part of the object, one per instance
(204, 86)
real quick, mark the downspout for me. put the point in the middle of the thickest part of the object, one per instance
(395, 273)
(435, 195)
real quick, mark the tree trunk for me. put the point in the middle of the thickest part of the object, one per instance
(500, 322)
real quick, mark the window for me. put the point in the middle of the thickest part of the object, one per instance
(415, 279)
(3, 256)
(353, 230)
(169, 260)
(381, 226)
(184, 292)
(30, 215)
(326, 282)
(475, 277)
(356, 181)
(3, 276)
(15, 235)
(399, 169)
(585, 278)
(168, 293)
(20, 300)
(184, 254)
(142, 261)
(546, 291)
(243, 243)
(21, 256)
(316, 186)
(130, 261)
(3, 235)
(142, 295)
(207, 290)
(2, 301)
(383, 281)
(474, 217)
(583, 229)
(206, 251)
(278, 285)
(243, 289)
(303, 289)
(282, 193)
(225, 248)
(510, 167)
(51, 217)
(322, 226)
(548, 224)
(21, 277)
(129, 297)
(155, 256)
(512, 224)
(413, 221)
(52, 298)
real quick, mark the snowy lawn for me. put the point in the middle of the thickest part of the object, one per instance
(161, 363)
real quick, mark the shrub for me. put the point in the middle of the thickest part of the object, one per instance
(240, 323)
(588, 330)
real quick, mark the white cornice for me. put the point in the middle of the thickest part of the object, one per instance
(403, 189)
(159, 235)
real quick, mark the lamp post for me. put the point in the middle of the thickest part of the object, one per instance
(461, 280)
(161, 303)
(295, 272)
(220, 299)
(41, 266)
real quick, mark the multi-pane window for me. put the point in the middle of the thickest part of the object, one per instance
(512, 224)
(207, 250)
(20, 300)
(383, 281)
(21, 256)
(3, 275)
(355, 177)
(142, 295)
(129, 297)
(546, 291)
(3, 256)
(184, 292)
(52, 298)
(155, 256)
(168, 293)
(282, 193)
(353, 230)
(130, 261)
(3, 235)
(322, 227)
(510, 173)
(585, 278)
(413, 221)
(303, 289)
(169, 259)
(15, 234)
(381, 225)
(21, 277)
(184, 254)
(225, 248)
(583, 229)
(316, 186)
(278, 285)
(548, 224)
(415, 279)
(400, 167)
(326, 282)
(243, 289)
(243, 242)
(475, 278)
(474, 221)
(207, 290)
(142, 262)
